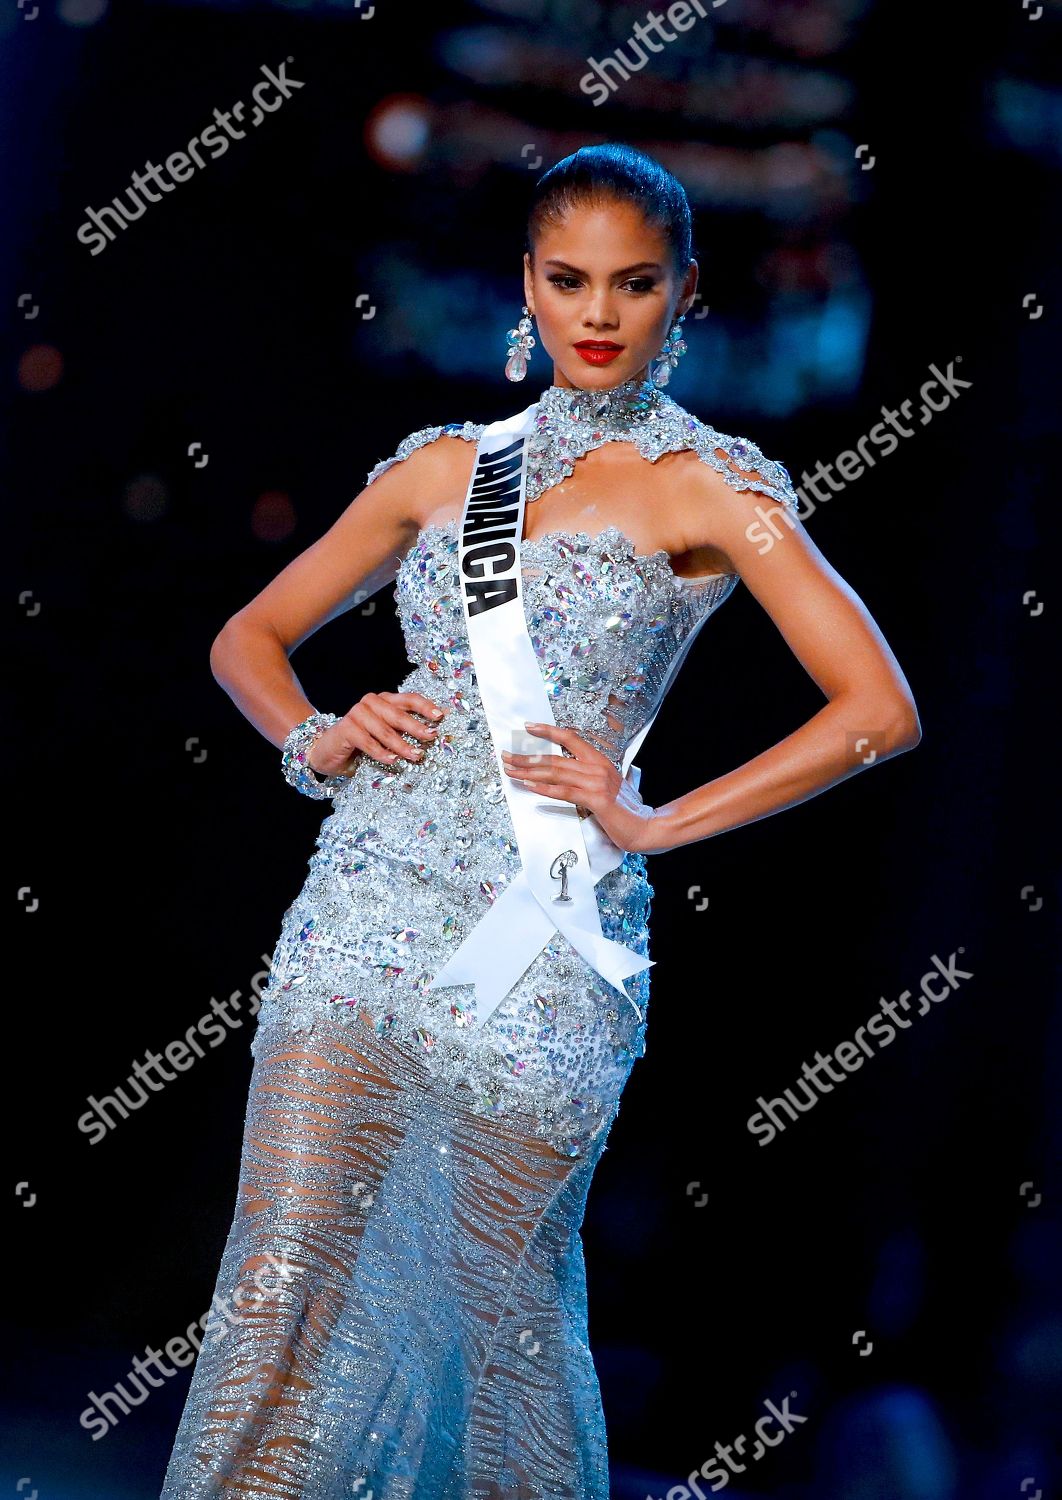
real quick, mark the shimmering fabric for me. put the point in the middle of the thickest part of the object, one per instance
(424, 1181)
(570, 423)
(412, 855)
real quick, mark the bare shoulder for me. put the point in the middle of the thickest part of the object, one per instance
(728, 486)
(454, 458)
(431, 468)
(363, 548)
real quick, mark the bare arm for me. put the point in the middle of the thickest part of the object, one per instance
(870, 714)
(359, 554)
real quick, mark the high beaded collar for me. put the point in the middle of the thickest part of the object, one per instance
(568, 423)
(620, 406)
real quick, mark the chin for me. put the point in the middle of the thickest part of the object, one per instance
(598, 377)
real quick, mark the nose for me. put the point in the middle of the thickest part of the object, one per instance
(600, 312)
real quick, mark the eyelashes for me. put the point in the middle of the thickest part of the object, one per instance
(640, 284)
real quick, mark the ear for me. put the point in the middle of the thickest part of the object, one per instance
(529, 282)
(689, 289)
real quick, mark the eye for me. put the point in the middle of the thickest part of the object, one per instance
(638, 285)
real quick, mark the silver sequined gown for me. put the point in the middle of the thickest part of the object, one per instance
(422, 1183)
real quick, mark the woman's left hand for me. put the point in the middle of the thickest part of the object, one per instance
(588, 779)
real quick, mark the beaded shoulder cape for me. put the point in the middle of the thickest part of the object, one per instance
(570, 422)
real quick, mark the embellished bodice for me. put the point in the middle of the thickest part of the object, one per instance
(609, 625)
(416, 851)
(605, 622)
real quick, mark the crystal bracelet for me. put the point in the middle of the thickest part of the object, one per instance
(294, 758)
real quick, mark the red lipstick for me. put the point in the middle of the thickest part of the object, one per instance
(598, 351)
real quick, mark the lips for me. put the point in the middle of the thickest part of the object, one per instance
(598, 351)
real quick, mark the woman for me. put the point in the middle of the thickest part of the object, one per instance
(459, 991)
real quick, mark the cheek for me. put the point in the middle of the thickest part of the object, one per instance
(548, 314)
(549, 324)
(652, 327)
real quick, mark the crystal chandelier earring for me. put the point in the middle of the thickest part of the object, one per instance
(669, 356)
(520, 345)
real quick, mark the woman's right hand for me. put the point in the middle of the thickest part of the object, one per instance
(374, 727)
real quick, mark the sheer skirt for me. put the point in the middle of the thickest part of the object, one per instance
(403, 1295)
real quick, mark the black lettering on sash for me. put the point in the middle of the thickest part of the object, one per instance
(483, 596)
(504, 492)
(503, 455)
(491, 521)
(505, 551)
(504, 522)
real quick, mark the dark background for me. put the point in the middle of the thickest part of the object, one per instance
(918, 1203)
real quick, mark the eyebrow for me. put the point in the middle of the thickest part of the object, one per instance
(642, 265)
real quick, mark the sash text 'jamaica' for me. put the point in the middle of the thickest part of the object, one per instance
(489, 560)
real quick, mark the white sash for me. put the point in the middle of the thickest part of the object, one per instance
(561, 854)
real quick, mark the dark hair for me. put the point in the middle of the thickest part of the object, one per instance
(596, 173)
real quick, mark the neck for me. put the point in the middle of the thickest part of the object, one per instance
(637, 383)
(614, 406)
(561, 380)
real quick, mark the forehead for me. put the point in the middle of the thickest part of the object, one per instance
(599, 236)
